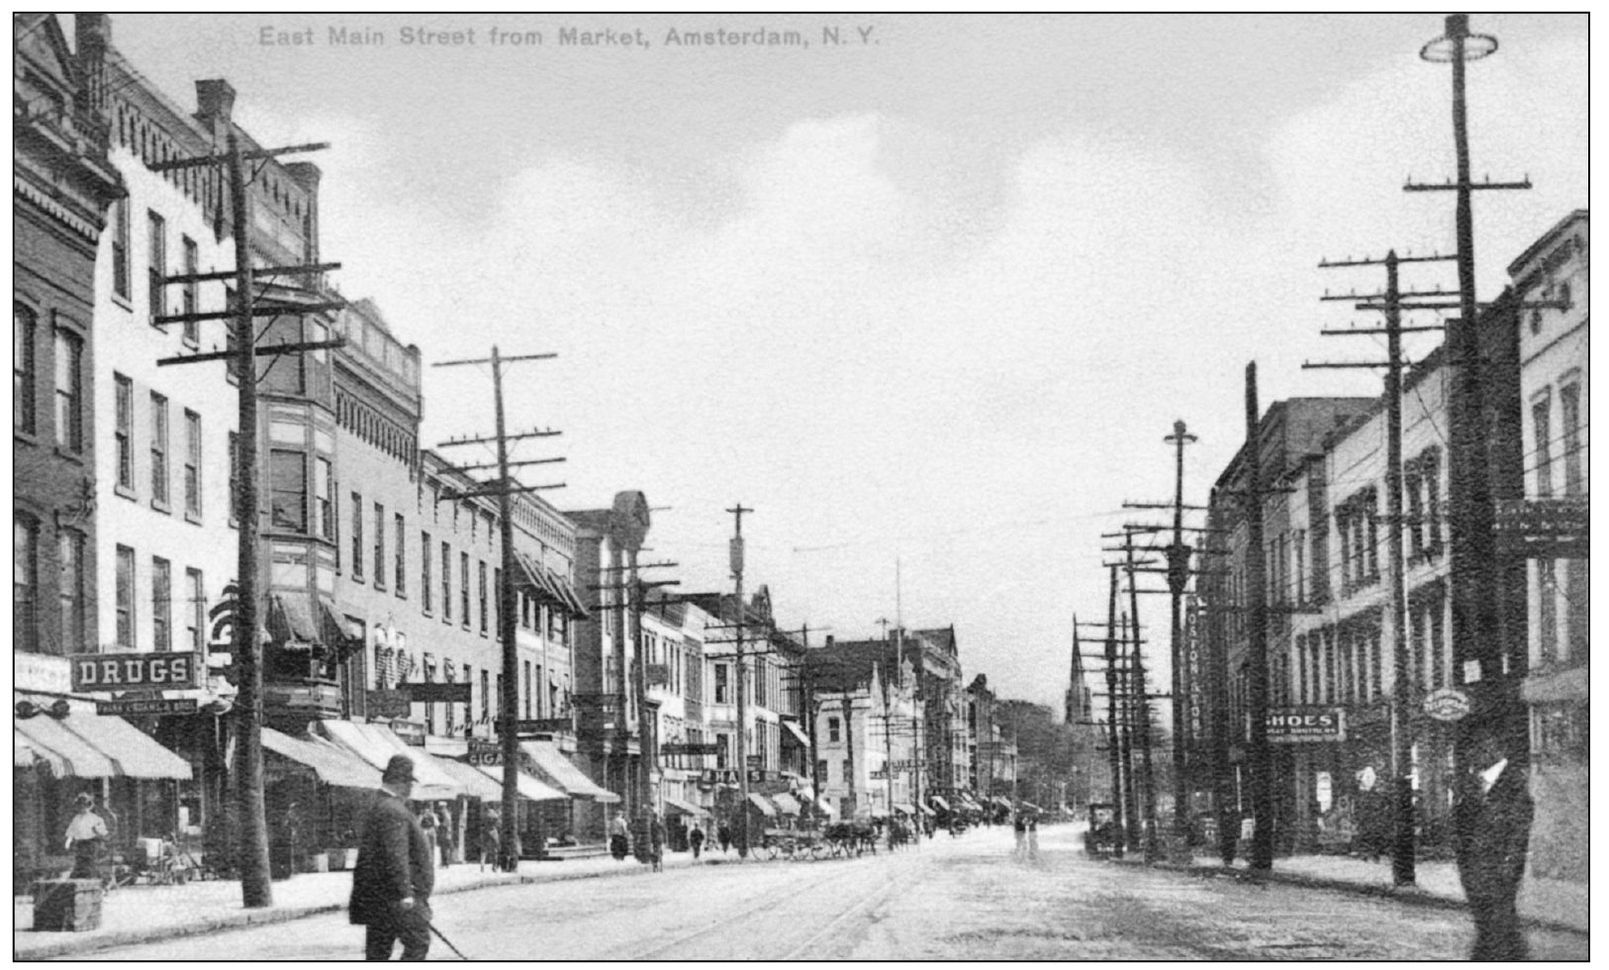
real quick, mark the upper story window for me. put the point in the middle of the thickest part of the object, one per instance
(159, 450)
(1541, 452)
(158, 253)
(23, 369)
(287, 490)
(120, 259)
(70, 562)
(25, 583)
(1570, 438)
(834, 726)
(192, 464)
(69, 391)
(192, 299)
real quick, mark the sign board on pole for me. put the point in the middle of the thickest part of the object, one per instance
(689, 748)
(388, 703)
(488, 753)
(1447, 704)
(436, 693)
(1298, 725)
(94, 672)
(756, 761)
(543, 725)
(146, 705)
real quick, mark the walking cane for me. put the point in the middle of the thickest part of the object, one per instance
(443, 938)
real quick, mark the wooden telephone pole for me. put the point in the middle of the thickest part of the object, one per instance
(246, 648)
(504, 490)
(1178, 555)
(736, 560)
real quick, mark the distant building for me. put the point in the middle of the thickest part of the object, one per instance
(1551, 533)
(869, 725)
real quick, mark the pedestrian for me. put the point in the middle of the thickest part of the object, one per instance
(1019, 824)
(394, 875)
(446, 833)
(723, 835)
(491, 839)
(1492, 817)
(695, 839)
(86, 836)
(1033, 835)
(619, 837)
(656, 841)
(429, 823)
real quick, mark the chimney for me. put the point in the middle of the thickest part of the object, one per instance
(93, 33)
(215, 101)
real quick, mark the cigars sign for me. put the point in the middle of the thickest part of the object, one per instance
(121, 671)
(1300, 725)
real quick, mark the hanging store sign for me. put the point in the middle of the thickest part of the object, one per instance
(411, 732)
(1447, 704)
(1301, 725)
(718, 776)
(146, 705)
(543, 725)
(689, 748)
(486, 753)
(436, 693)
(388, 703)
(120, 671)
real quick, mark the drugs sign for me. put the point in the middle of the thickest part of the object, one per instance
(120, 671)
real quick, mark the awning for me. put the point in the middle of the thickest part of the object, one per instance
(558, 771)
(548, 585)
(332, 765)
(1030, 806)
(765, 807)
(85, 745)
(476, 785)
(377, 744)
(826, 806)
(924, 809)
(290, 619)
(905, 807)
(787, 803)
(530, 789)
(939, 801)
(797, 732)
(675, 804)
(25, 755)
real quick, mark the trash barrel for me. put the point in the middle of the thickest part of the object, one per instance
(72, 905)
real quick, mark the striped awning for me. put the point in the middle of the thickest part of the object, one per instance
(787, 803)
(476, 785)
(86, 745)
(548, 585)
(377, 744)
(558, 771)
(331, 764)
(759, 801)
(529, 788)
(686, 808)
(939, 801)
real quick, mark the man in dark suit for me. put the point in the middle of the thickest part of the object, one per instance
(1493, 825)
(395, 873)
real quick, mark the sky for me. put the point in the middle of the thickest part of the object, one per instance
(927, 299)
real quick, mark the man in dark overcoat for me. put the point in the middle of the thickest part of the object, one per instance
(395, 872)
(1492, 818)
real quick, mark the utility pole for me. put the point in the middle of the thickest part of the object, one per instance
(1178, 555)
(918, 748)
(246, 647)
(736, 557)
(1403, 694)
(1472, 550)
(1113, 713)
(1143, 708)
(1262, 787)
(504, 490)
(1217, 692)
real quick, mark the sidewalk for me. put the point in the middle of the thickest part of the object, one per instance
(142, 914)
(1546, 902)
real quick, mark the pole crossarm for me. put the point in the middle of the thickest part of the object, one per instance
(1162, 505)
(257, 310)
(453, 495)
(452, 442)
(488, 360)
(201, 161)
(307, 269)
(271, 350)
(1379, 331)
(1451, 186)
(513, 464)
(1381, 260)
(1372, 297)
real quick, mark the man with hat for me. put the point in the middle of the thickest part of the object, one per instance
(395, 873)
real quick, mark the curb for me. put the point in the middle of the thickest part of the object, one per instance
(1413, 896)
(70, 946)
